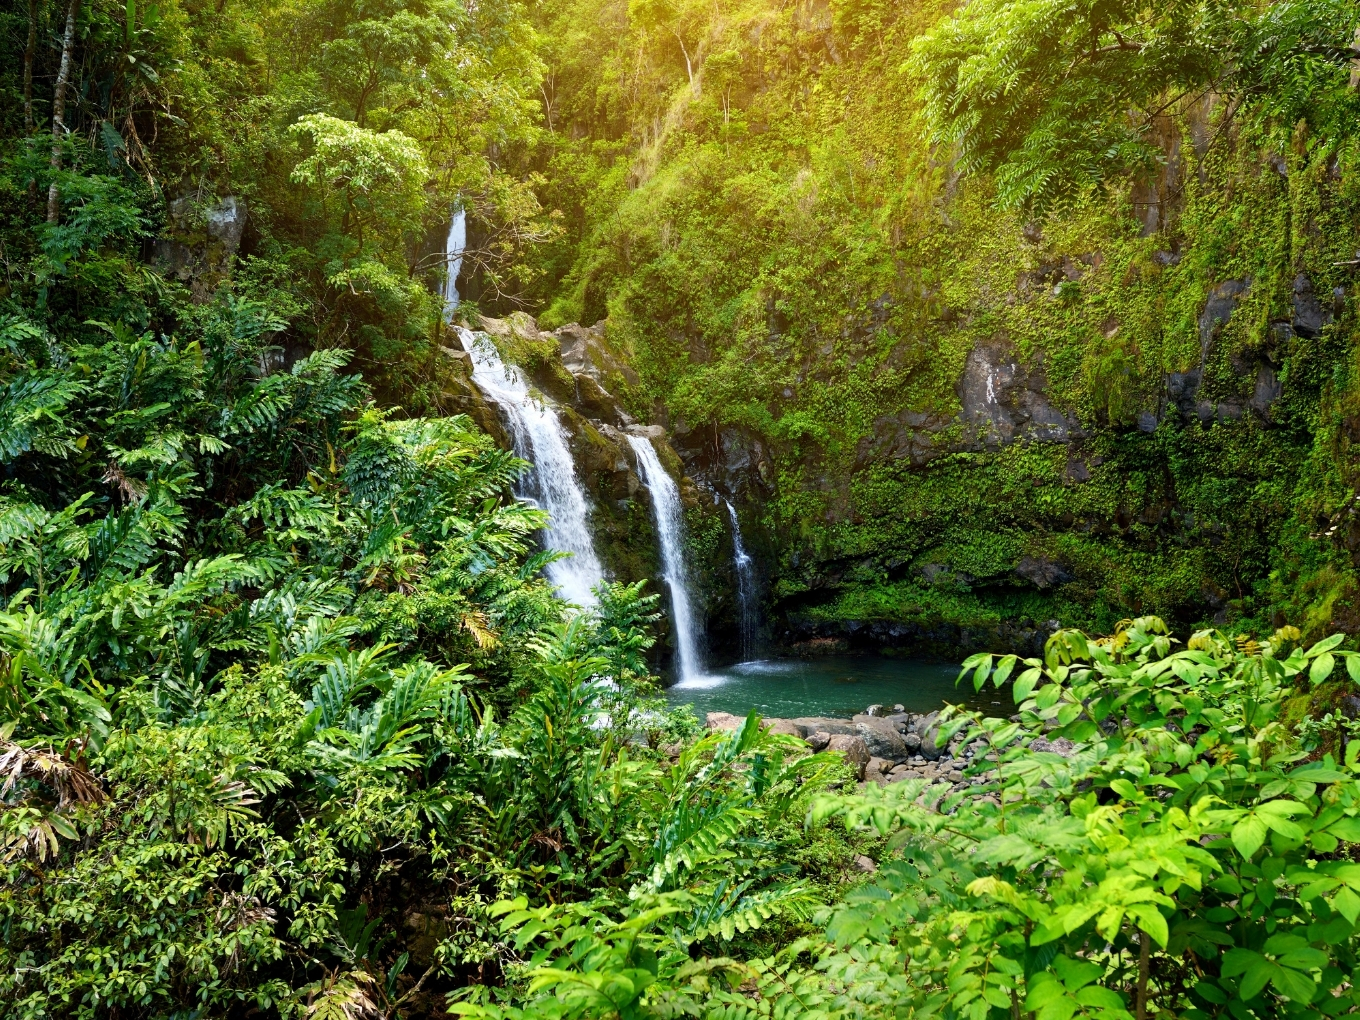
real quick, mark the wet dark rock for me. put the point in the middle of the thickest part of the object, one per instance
(1268, 389)
(1003, 400)
(1042, 572)
(1218, 309)
(1078, 471)
(1310, 315)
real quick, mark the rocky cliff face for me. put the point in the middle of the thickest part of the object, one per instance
(1005, 406)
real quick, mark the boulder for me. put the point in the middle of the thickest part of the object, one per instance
(928, 749)
(728, 721)
(882, 739)
(199, 242)
(912, 741)
(854, 750)
(825, 724)
(921, 723)
(818, 740)
(865, 864)
(927, 729)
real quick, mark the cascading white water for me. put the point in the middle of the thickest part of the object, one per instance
(749, 620)
(453, 259)
(551, 484)
(666, 510)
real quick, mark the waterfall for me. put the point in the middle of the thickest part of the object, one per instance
(551, 484)
(666, 510)
(749, 620)
(453, 259)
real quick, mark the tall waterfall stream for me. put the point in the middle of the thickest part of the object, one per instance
(551, 484)
(666, 510)
(453, 258)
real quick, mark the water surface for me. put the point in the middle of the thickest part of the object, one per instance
(833, 685)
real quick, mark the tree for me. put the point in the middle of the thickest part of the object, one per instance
(59, 129)
(1053, 98)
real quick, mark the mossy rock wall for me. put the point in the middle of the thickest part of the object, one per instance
(1002, 422)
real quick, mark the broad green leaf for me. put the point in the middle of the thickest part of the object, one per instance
(1124, 788)
(1044, 989)
(980, 674)
(1004, 668)
(1151, 921)
(1100, 998)
(1248, 835)
(1325, 645)
(1347, 904)
(1284, 942)
(1335, 931)
(1076, 974)
(1347, 829)
(1298, 987)
(1321, 668)
(1305, 958)
(1024, 684)
(1353, 667)
(997, 998)
(1210, 992)
(1255, 979)
(1239, 961)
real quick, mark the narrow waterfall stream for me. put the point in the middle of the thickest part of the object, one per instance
(453, 259)
(749, 619)
(551, 484)
(667, 513)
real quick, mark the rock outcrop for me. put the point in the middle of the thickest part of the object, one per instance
(200, 241)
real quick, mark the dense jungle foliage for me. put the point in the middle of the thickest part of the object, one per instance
(291, 725)
(814, 224)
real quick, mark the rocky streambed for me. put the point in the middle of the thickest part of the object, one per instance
(890, 745)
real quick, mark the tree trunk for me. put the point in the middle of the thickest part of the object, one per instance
(29, 51)
(68, 45)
